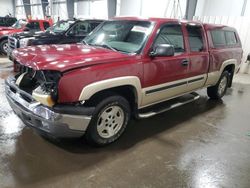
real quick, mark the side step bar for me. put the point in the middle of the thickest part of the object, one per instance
(165, 106)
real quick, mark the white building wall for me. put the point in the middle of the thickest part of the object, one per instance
(219, 7)
(152, 8)
(91, 9)
(6, 7)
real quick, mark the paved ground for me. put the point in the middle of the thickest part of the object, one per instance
(203, 144)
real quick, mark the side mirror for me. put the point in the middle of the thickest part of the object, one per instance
(162, 50)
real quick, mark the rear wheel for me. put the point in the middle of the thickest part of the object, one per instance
(109, 121)
(4, 46)
(219, 90)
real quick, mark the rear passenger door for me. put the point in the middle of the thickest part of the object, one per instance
(198, 56)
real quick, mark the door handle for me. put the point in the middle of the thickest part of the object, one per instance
(185, 62)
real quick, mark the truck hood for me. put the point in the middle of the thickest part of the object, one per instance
(6, 28)
(65, 57)
(29, 34)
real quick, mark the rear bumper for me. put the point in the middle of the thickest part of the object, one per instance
(43, 118)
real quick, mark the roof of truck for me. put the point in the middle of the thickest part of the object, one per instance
(156, 19)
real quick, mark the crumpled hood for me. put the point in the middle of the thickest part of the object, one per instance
(65, 57)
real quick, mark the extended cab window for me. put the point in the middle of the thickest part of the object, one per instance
(171, 34)
(195, 38)
(230, 38)
(33, 26)
(218, 37)
(80, 29)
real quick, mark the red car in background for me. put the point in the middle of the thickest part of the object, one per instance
(20, 26)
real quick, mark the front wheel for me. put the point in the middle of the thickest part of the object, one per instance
(219, 90)
(109, 121)
(4, 47)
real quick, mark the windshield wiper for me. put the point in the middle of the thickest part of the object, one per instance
(104, 46)
(84, 42)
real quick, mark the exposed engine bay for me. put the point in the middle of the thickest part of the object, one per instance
(41, 84)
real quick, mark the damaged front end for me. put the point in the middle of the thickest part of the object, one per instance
(33, 96)
(41, 84)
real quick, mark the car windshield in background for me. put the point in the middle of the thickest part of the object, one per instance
(19, 24)
(124, 36)
(60, 26)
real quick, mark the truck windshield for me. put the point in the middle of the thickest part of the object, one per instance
(121, 35)
(19, 24)
(60, 26)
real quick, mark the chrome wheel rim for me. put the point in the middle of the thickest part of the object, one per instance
(222, 86)
(110, 121)
(5, 47)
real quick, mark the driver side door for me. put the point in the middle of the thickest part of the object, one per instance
(166, 76)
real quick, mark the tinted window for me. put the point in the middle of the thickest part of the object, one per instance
(93, 25)
(195, 38)
(230, 38)
(7, 21)
(80, 29)
(218, 37)
(46, 25)
(33, 26)
(171, 34)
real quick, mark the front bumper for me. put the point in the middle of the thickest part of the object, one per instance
(43, 118)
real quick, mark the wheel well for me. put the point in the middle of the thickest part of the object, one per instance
(3, 38)
(230, 69)
(127, 91)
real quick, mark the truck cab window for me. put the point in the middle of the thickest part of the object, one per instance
(46, 25)
(33, 26)
(80, 29)
(171, 34)
(195, 38)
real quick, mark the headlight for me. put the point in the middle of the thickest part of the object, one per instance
(45, 113)
(25, 41)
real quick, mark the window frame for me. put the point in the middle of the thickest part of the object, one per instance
(204, 42)
(158, 33)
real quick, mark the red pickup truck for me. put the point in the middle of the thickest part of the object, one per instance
(20, 26)
(127, 67)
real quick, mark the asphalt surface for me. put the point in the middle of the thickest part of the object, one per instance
(202, 144)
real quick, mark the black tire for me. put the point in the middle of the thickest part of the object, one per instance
(92, 135)
(2, 43)
(214, 91)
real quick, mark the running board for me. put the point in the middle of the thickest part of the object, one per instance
(168, 105)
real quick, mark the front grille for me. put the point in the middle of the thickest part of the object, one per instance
(12, 43)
